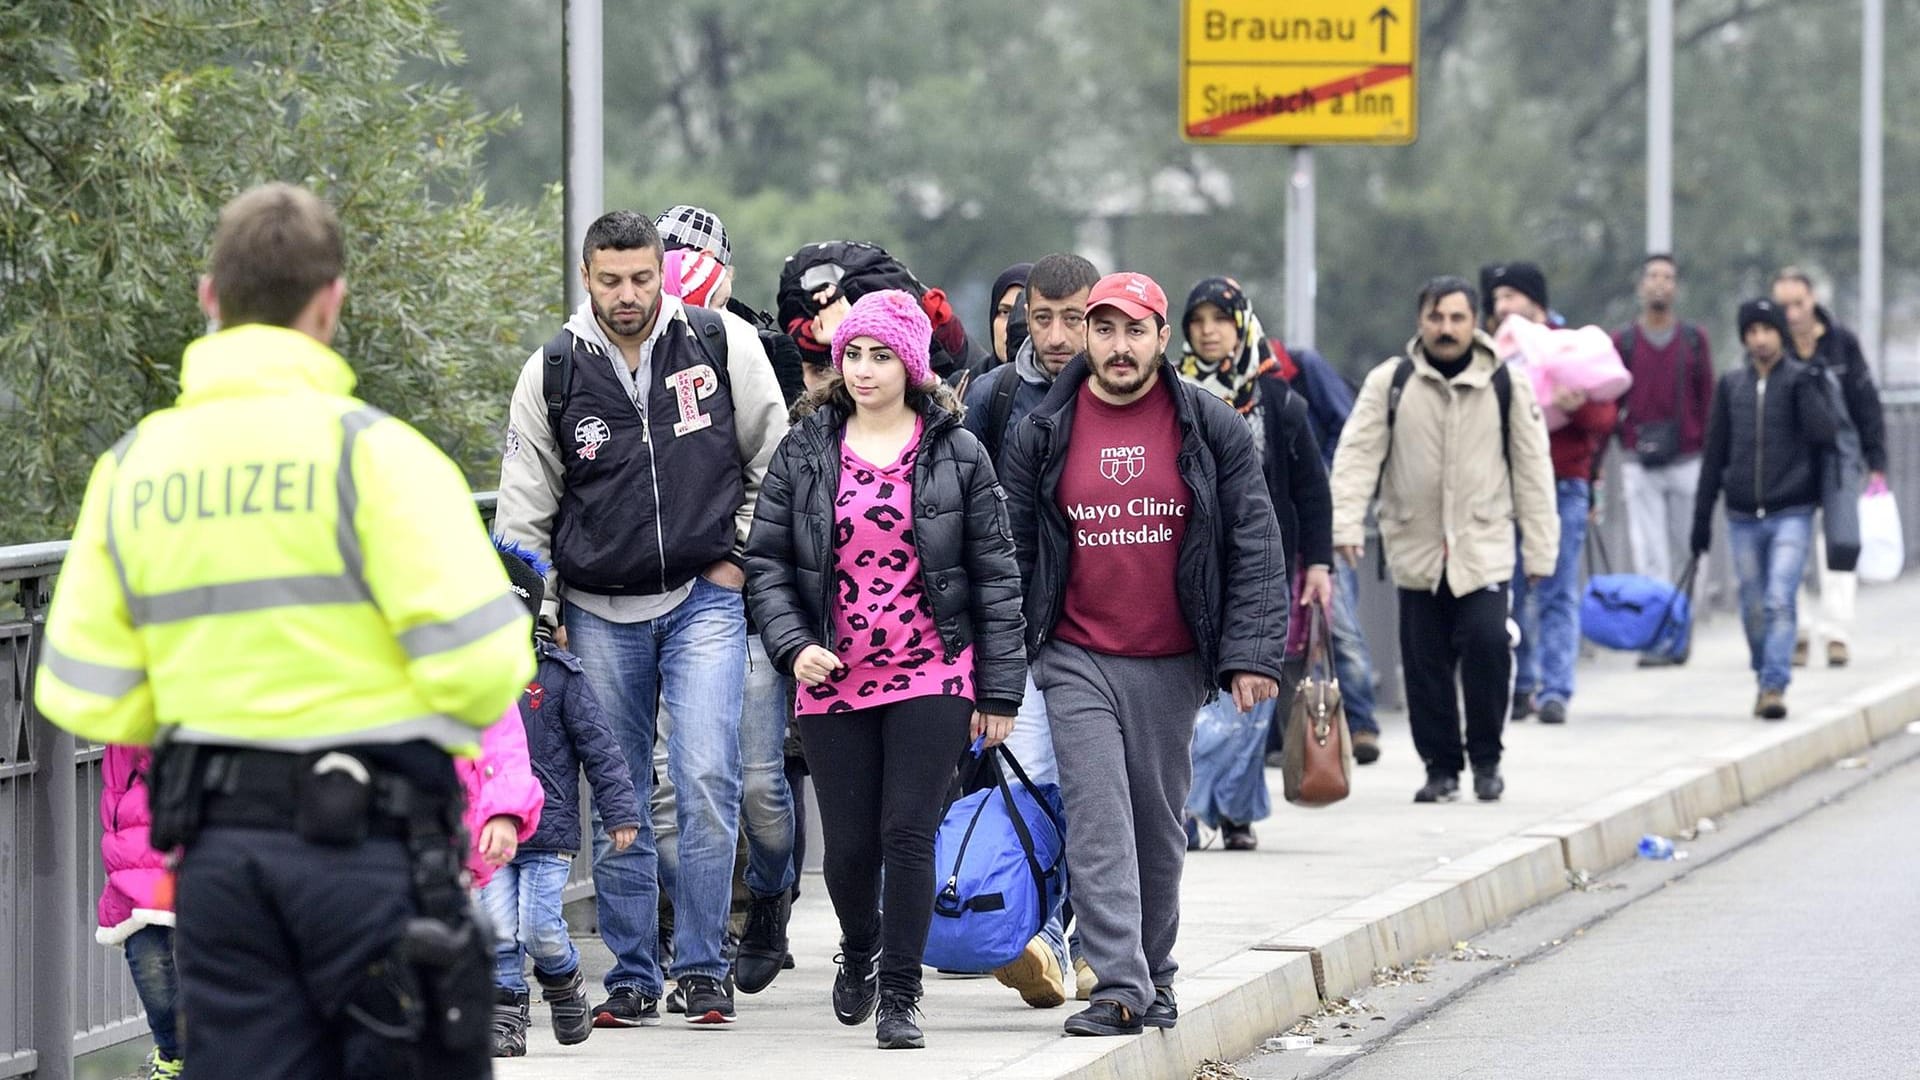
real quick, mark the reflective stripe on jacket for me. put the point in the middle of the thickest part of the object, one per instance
(274, 563)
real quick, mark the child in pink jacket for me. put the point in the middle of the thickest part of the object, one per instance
(136, 905)
(503, 797)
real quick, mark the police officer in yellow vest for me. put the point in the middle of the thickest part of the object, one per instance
(293, 593)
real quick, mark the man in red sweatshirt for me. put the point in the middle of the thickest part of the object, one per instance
(1549, 613)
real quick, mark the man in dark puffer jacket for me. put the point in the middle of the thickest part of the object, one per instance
(1769, 426)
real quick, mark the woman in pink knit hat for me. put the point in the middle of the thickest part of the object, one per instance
(881, 574)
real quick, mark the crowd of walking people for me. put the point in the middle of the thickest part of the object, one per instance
(847, 539)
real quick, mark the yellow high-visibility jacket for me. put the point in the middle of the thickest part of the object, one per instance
(274, 563)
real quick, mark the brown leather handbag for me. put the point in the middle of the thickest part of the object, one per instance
(1318, 769)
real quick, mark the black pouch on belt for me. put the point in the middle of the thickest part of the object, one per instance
(334, 795)
(175, 789)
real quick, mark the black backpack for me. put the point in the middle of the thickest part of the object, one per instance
(1502, 392)
(854, 269)
(1000, 410)
(557, 374)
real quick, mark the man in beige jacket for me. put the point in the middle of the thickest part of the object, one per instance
(1454, 477)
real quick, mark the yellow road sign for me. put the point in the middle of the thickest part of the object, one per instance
(1299, 71)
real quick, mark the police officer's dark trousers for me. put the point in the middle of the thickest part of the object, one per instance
(276, 938)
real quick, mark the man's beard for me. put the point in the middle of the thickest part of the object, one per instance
(1126, 384)
(1660, 306)
(631, 315)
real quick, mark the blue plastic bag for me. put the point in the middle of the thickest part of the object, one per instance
(999, 864)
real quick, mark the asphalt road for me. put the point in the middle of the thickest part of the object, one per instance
(1794, 957)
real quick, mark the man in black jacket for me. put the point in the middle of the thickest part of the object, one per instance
(635, 475)
(1820, 342)
(1769, 426)
(1136, 502)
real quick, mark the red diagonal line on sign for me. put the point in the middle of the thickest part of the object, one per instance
(1220, 125)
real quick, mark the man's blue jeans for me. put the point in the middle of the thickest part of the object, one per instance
(523, 901)
(1352, 664)
(766, 800)
(1549, 612)
(150, 962)
(693, 660)
(1769, 556)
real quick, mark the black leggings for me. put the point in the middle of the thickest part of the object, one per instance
(881, 778)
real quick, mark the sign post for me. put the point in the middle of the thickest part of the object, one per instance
(582, 71)
(1299, 73)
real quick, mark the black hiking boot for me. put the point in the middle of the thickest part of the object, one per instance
(763, 948)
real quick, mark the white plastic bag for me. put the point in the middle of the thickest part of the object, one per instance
(1883, 547)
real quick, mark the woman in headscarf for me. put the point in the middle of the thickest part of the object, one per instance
(1226, 351)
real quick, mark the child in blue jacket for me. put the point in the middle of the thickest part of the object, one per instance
(566, 731)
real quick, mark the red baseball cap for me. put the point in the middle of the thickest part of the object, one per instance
(1136, 295)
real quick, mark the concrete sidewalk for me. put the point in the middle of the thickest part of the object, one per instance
(1332, 893)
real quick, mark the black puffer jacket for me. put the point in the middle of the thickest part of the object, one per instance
(960, 533)
(1763, 448)
(1232, 544)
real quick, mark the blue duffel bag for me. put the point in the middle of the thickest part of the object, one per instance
(999, 866)
(1639, 613)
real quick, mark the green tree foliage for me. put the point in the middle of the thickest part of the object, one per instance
(125, 124)
(969, 135)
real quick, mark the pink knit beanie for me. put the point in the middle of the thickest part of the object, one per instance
(894, 319)
(691, 275)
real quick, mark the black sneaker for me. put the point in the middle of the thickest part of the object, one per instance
(1366, 747)
(896, 1029)
(1522, 704)
(709, 1000)
(856, 986)
(1237, 836)
(509, 1022)
(1165, 1011)
(626, 1007)
(1553, 712)
(1440, 788)
(1487, 784)
(1104, 1018)
(676, 1001)
(566, 998)
(763, 948)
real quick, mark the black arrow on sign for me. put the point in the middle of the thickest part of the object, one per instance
(1385, 17)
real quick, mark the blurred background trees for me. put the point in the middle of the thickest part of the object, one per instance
(963, 136)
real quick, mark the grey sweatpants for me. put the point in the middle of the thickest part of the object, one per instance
(1121, 729)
